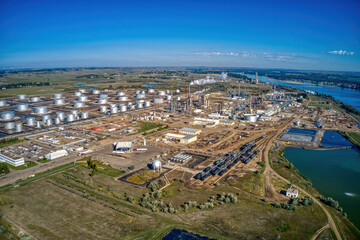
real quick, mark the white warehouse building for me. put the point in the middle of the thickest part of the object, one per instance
(57, 154)
(14, 162)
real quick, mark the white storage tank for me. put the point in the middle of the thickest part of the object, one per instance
(2, 103)
(123, 98)
(75, 113)
(8, 115)
(48, 122)
(45, 118)
(57, 95)
(22, 107)
(84, 115)
(22, 97)
(114, 110)
(139, 105)
(77, 94)
(82, 98)
(95, 91)
(57, 121)
(9, 125)
(38, 124)
(103, 96)
(129, 104)
(79, 104)
(102, 101)
(121, 94)
(167, 91)
(82, 90)
(150, 90)
(177, 91)
(59, 101)
(41, 109)
(156, 165)
(137, 92)
(30, 121)
(140, 95)
(18, 127)
(168, 97)
(103, 108)
(123, 108)
(34, 99)
(70, 118)
(158, 100)
(60, 115)
(147, 103)
(112, 105)
(250, 117)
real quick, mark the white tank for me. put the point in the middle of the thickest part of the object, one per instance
(95, 91)
(82, 98)
(9, 125)
(57, 95)
(123, 108)
(84, 115)
(70, 118)
(147, 103)
(22, 107)
(129, 104)
(41, 109)
(158, 100)
(123, 98)
(30, 121)
(102, 101)
(156, 165)
(121, 94)
(178, 98)
(137, 92)
(59, 101)
(57, 121)
(34, 99)
(140, 95)
(18, 127)
(77, 94)
(38, 124)
(114, 110)
(75, 113)
(101, 96)
(150, 90)
(8, 115)
(132, 107)
(112, 105)
(79, 104)
(2, 103)
(167, 91)
(45, 117)
(168, 97)
(49, 122)
(60, 115)
(103, 108)
(250, 117)
(139, 105)
(82, 90)
(177, 91)
(22, 97)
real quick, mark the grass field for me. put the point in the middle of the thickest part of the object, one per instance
(355, 137)
(142, 177)
(104, 169)
(145, 126)
(28, 164)
(43, 160)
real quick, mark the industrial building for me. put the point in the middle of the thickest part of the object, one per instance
(122, 146)
(190, 131)
(181, 138)
(14, 162)
(56, 154)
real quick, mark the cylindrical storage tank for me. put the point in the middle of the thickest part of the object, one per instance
(129, 104)
(132, 107)
(123, 98)
(113, 110)
(18, 127)
(156, 165)
(147, 103)
(167, 91)
(2, 103)
(102, 101)
(59, 101)
(143, 92)
(22, 107)
(82, 98)
(161, 93)
(22, 97)
(168, 97)
(140, 95)
(139, 105)
(82, 90)
(123, 108)
(112, 105)
(57, 95)
(8, 115)
(70, 118)
(75, 113)
(103, 108)
(178, 98)
(34, 99)
(45, 118)
(77, 94)
(79, 104)
(57, 121)
(121, 94)
(103, 96)
(48, 122)
(41, 109)
(150, 90)
(9, 125)
(158, 100)
(30, 121)
(250, 117)
(84, 115)
(177, 91)
(95, 91)
(38, 124)
(60, 115)
(137, 92)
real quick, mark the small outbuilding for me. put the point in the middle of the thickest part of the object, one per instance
(293, 193)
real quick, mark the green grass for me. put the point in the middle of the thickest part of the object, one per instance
(28, 164)
(356, 137)
(10, 141)
(141, 177)
(145, 126)
(43, 160)
(104, 169)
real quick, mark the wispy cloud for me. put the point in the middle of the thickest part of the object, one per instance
(234, 54)
(341, 52)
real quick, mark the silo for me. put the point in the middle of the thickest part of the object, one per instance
(103, 108)
(139, 105)
(22, 97)
(34, 99)
(77, 94)
(18, 127)
(8, 115)
(123, 98)
(129, 104)
(82, 98)
(101, 96)
(57, 121)
(45, 117)
(75, 113)
(95, 91)
(161, 93)
(158, 100)
(22, 107)
(177, 91)
(40, 110)
(123, 108)
(59, 101)
(82, 90)
(70, 118)
(132, 107)
(60, 115)
(57, 95)
(102, 101)
(79, 104)
(49, 122)
(150, 90)
(9, 125)
(30, 121)
(168, 97)
(84, 115)
(147, 103)
(2, 103)
(38, 124)
(112, 105)
(140, 95)
(121, 94)
(114, 110)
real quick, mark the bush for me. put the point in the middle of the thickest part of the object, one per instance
(3, 229)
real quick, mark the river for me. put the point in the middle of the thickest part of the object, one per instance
(346, 95)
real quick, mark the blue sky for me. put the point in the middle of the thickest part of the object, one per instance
(266, 34)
